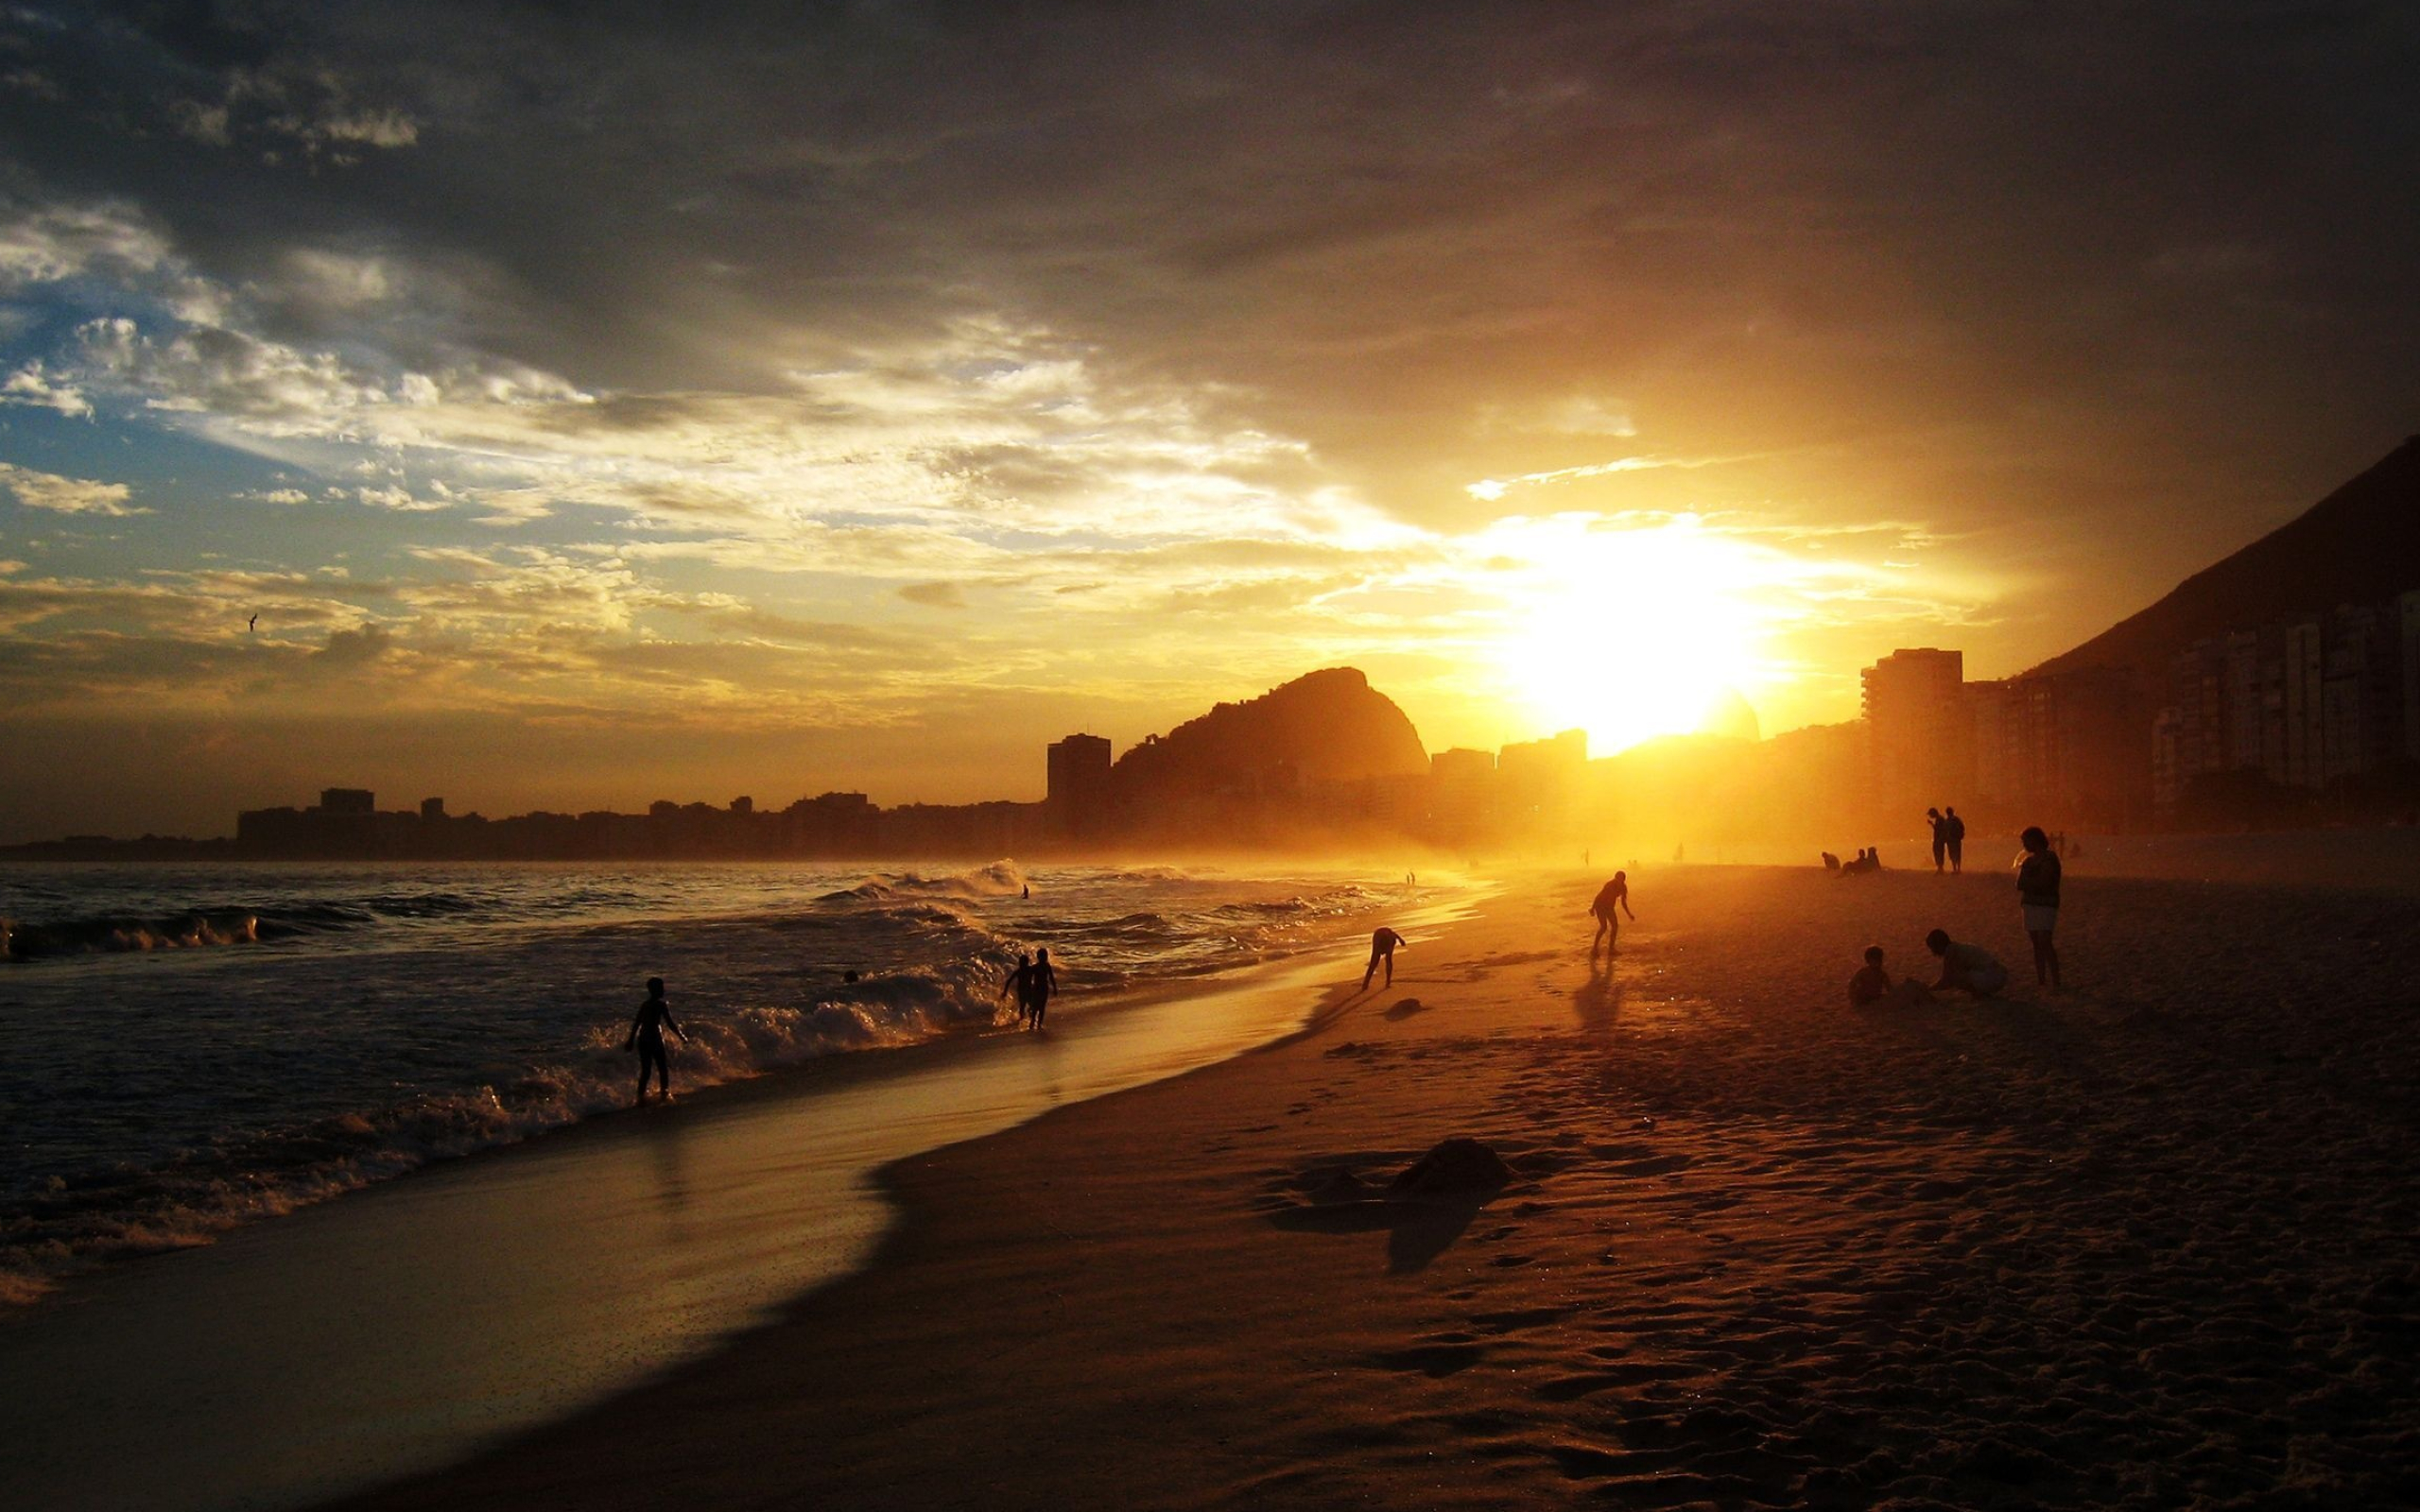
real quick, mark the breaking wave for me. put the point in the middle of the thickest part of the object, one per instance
(389, 1026)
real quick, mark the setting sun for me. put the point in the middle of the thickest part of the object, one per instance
(1634, 632)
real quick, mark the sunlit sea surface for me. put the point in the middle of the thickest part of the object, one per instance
(189, 1049)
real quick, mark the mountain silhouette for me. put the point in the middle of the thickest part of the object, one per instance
(1326, 726)
(2360, 544)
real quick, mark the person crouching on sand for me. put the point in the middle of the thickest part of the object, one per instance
(2037, 893)
(1965, 967)
(1613, 895)
(647, 1037)
(1872, 985)
(1382, 949)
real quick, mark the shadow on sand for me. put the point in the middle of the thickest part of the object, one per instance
(1418, 1228)
(1599, 1001)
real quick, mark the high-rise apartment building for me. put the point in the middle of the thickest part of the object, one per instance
(1919, 730)
(1078, 804)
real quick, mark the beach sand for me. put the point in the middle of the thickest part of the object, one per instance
(2152, 1243)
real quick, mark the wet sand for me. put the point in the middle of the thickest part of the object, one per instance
(403, 1327)
(2154, 1242)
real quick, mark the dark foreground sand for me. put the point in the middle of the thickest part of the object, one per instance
(2156, 1242)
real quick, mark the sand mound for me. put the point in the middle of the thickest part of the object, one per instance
(1456, 1167)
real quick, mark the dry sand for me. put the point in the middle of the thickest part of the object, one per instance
(2152, 1243)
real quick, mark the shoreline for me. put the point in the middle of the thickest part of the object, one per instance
(1756, 1249)
(288, 1130)
(722, 1208)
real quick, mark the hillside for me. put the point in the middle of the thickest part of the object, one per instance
(1329, 725)
(2361, 543)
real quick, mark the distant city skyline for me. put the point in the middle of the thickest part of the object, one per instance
(453, 400)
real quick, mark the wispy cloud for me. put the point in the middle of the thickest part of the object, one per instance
(65, 495)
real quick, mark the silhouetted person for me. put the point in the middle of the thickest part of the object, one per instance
(2037, 893)
(1874, 858)
(1027, 892)
(1939, 837)
(647, 1037)
(1965, 967)
(1042, 985)
(1382, 952)
(1831, 862)
(1613, 895)
(1020, 980)
(1872, 984)
(1953, 828)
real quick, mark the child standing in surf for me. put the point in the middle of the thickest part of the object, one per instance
(647, 1037)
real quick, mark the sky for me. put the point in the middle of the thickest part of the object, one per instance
(595, 405)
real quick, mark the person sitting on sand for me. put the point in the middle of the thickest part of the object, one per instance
(1872, 984)
(1382, 949)
(647, 1037)
(1613, 895)
(1831, 862)
(1965, 967)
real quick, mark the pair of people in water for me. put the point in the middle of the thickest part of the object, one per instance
(1035, 983)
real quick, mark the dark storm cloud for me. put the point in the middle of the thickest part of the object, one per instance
(1779, 225)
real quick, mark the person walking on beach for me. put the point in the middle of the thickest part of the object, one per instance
(647, 1037)
(1613, 895)
(1953, 828)
(1040, 986)
(2037, 893)
(1939, 837)
(1019, 981)
(1965, 967)
(1382, 949)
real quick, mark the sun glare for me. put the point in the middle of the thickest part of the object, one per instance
(1629, 633)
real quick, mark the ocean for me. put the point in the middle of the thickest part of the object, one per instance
(195, 1049)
